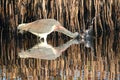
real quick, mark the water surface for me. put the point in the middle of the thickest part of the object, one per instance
(78, 61)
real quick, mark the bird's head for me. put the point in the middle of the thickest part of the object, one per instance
(21, 26)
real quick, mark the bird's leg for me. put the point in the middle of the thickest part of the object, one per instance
(40, 39)
(45, 41)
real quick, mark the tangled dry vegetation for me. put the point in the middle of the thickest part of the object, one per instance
(73, 14)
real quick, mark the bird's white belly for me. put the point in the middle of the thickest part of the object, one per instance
(39, 34)
(43, 34)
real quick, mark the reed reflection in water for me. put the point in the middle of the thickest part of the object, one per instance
(77, 62)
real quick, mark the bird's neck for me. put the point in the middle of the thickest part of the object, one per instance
(63, 47)
(66, 32)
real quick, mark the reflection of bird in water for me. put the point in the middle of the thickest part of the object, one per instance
(44, 27)
(46, 51)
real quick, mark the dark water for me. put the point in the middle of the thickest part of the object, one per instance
(97, 58)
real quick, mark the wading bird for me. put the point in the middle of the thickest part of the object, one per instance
(43, 27)
(47, 51)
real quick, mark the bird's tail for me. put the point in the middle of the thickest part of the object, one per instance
(20, 26)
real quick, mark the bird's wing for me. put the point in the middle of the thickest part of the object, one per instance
(42, 26)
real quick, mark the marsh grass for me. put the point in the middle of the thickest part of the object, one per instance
(73, 15)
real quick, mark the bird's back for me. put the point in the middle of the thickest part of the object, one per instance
(42, 26)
